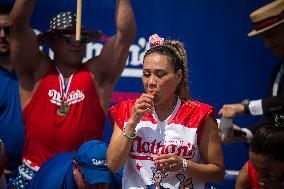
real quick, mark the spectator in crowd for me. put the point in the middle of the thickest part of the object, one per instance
(63, 100)
(268, 22)
(165, 139)
(265, 168)
(11, 122)
(86, 168)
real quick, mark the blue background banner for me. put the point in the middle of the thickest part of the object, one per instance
(225, 66)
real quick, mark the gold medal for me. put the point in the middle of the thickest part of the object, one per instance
(63, 110)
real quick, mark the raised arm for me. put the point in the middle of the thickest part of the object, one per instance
(120, 144)
(111, 62)
(24, 46)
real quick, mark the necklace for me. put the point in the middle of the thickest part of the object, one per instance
(166, 117)
(64, 107)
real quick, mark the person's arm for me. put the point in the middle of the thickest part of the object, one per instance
(24, 46)
(273, 104)
(264, 106)
(242, 179)
(210, 148)
(119, 147)
(109, 65)
(120, 143)
(211, 151)
(236, 134)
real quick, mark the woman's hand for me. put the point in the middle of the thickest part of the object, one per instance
(142, 105)
(168, 163)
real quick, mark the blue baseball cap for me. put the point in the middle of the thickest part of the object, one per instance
(91, 158)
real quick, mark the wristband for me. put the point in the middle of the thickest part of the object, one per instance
(245, 103)
(127, 136)
(184, 165)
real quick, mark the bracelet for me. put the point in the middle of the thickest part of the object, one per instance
(127, 136)
(184, 165)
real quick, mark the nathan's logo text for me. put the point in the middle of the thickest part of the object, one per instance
(99, 162)
(154, 147)
(73, 97)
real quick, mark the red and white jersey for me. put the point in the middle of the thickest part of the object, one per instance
(180, 134)
(46, 132)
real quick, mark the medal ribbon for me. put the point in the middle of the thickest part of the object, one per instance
(64, 87)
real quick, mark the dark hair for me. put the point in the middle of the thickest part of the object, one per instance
(5, 8)
(269, 141)
(175, 52)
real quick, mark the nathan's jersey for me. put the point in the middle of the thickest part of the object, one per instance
(180, 134)
(48, 133)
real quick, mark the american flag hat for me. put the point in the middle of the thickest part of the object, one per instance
(65, 22)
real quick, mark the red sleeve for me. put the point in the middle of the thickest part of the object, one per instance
(205, 112)
(252, 176)
(120, 113)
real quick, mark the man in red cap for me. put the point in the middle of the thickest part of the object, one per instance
(64, 101)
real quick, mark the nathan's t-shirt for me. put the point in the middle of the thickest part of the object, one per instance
(48, 133)
(179, 134)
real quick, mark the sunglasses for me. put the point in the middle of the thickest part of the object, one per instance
(6, 30)
(71, 39)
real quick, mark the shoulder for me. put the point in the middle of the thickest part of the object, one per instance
(242, 178)
(124, 105)
(194, 113)
(121, 112)
(196, 106)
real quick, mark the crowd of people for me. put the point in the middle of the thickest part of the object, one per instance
(162, 139)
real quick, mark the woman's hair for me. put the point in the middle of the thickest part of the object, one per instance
(176, 54)
(269, 141)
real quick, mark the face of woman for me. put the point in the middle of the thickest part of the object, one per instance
(159, 75)
(270, 171)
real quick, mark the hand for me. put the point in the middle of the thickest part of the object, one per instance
(141, 106)
(235, 135)
(168, 163)
(231, 110)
